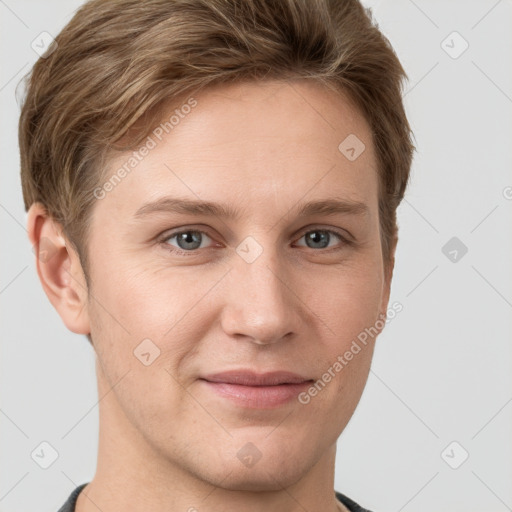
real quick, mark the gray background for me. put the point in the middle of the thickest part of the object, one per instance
(442, 370)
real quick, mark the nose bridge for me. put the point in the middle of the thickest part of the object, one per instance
(260, 304)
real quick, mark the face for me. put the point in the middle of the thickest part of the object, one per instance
(193, 309)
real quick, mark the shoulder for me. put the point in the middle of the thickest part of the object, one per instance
(69, 506)
(350, 504)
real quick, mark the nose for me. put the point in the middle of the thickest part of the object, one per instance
(261, 304)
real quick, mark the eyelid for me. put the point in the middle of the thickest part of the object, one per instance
(344, 237)
(342, 233)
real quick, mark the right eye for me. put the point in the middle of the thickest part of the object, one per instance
(187, 241)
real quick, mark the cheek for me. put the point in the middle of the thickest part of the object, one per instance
(142, 303)
(128, 332)
(348, 300)
(154, 317)
(348, 310)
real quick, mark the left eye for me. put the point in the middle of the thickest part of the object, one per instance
(320, 238)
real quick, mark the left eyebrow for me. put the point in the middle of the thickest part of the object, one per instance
(194, 207)
(332, 207)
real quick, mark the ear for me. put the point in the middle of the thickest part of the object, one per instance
(59, 269)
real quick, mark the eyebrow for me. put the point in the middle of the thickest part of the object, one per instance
(331, 206)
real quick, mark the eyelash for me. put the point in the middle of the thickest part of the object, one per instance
(164, 241)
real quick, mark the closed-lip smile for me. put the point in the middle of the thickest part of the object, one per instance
(248, 388)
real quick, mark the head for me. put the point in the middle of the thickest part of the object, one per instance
(285, 121)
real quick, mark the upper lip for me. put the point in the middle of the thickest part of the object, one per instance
(252, 378)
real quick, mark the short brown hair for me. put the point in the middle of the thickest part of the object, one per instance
(117, 61)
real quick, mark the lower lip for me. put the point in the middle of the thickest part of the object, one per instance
(258, 397)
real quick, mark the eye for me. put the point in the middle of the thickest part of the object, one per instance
(321, 238)
(186, 241)
(190, 241)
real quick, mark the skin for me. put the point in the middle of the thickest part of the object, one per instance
(166, 442)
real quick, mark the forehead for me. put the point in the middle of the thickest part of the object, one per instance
(257, 143)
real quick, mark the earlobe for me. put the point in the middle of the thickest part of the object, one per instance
(59, 269)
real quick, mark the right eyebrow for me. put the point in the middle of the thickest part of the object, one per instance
(187, 206)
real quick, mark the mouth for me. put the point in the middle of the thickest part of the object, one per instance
(246, 388)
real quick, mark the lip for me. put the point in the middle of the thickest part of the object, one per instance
(247, 388)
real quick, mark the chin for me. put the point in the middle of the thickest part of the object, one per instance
(259, 479)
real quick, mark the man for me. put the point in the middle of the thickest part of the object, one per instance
(212, 187)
